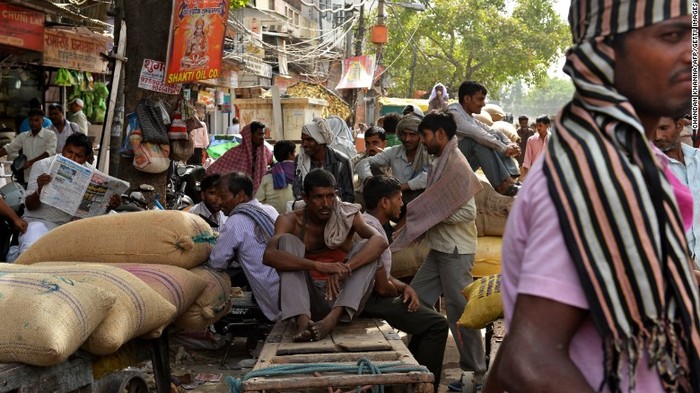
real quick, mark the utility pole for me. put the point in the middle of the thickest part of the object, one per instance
(379, 37)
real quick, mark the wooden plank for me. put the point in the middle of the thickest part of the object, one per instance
(289, 347)
(67, 376)
(361, 336)
(269, 350)
(336, 381)
(377, 356)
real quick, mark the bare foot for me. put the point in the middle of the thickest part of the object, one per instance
(304, 326)
(324, 327)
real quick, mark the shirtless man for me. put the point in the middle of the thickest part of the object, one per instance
(324, 278)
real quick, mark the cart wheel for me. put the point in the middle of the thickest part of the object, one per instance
(134, 384)
(468, 382)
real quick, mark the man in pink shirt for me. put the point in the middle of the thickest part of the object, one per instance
(598, 286)
(536, 143)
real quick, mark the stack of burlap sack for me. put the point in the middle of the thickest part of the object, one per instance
(99, 282)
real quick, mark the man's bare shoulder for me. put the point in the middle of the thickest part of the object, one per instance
(290, 220)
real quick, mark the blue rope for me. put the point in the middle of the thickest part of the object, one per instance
(363, 366)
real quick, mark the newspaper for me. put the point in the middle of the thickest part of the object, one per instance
(78, 190)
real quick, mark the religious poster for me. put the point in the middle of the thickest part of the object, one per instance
(21, 27)
(357, 72)
(195, 48)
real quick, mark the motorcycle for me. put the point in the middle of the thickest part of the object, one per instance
(183, 189)
(13, 193)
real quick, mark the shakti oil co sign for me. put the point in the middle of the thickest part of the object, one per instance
(21, 28)
(195, 48)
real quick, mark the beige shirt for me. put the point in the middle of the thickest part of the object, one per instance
(457, 231)
(33, 145)
(276, 198)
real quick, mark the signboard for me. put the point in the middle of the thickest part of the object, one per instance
(21, 27)
(195, 48)
(152, 74)
(357, 72)
(228, 78)
(257, 66)
(75, 50)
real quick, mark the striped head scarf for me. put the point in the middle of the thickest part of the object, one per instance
(617, 210)
(409, 123)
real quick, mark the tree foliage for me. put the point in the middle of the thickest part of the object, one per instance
(546, 98)
(235, 4)
(496, 42)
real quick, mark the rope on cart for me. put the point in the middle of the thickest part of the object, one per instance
(363, 366)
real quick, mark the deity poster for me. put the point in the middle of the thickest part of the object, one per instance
(195, 48)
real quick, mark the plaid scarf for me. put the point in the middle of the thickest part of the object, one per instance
(617, 210)
(240, 159)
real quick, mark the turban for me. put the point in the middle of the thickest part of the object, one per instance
(409, 123)
(617, 210)
(319, 130)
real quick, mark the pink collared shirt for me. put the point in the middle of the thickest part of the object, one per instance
(536, 262)
(535, 147)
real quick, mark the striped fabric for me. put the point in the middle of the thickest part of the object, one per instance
(617, 210)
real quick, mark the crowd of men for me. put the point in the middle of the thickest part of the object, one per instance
(599, 257)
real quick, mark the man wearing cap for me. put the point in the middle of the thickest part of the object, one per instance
(316, 153)
(598, 286)
(77, 116)
(408, 161)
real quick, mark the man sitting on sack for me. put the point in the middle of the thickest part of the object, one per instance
(41, 217)
(323, 277)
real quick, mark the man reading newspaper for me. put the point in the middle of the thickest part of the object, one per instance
(43, 217)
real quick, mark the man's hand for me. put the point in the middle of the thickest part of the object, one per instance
(42, 180)
(411, 297)
(333, 286)
(513, 150)
(21, 225)
(115, 201)
(340, 268)
(374, 150)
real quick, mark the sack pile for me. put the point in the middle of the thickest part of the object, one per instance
(130, 279)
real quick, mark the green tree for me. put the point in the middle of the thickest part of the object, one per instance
(545, 99)
(496, 42)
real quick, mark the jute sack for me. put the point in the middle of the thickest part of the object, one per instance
(484, 302)
(178, 286)
(492, 209)
(155, 237)
(407, 261)
(487, 260)
(138, 308)
(212, 304)
(45, 318)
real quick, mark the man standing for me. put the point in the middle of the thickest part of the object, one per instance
(598, 285)
(37, 144)
(62, 127)
(524, 132)
(323, 280)
(392, 299)
(77, 116)
(537, 143)
(445, 214)
(243, 239)
(684, 161)
(316, 153)
(210, 206)
(485, 148)
(250, 157)
(41, 217)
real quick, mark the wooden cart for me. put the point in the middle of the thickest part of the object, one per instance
(86, 373)
(371, 339)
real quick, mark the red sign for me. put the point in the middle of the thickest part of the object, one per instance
(195, 48)
(21, 27)
(357, 72)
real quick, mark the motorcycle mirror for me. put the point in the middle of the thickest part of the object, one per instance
(18, 163)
